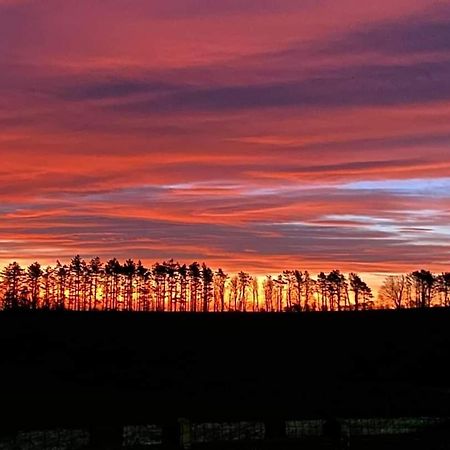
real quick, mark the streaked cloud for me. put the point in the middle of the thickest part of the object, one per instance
(252, 134)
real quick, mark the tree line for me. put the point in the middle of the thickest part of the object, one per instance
(419, 289)
(170, 286)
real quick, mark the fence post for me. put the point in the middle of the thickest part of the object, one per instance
(275, 428)
(106, 437)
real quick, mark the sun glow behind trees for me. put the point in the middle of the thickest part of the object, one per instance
(173, 287)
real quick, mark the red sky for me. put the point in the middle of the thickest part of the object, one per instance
(251, 134)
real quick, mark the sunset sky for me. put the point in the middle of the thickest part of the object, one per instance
(251, 134)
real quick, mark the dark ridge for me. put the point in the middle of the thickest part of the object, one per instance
(78, 369)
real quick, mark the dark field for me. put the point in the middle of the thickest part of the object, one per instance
(87, 370)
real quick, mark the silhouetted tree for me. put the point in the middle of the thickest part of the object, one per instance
(268, 286)
(289, 280)
(360, 290)
(94, 271)
(171, 273)
(367, 296)
(233, 294)
(129, 272)
(322, 288)
(170, 286)
(220, 278)
(255, 294)
(76, 270)
(244, 283)
(61, 274)
(207, 279)
(279, 284)
(337, 289)
(183, 272)
(13, 280)
(143, 291)
(49, 288)
(34, 275)
(194, 285)
(159, 278)
(112, 277)
(443, 286)
(308, 283)
(424, 283)
(298, 284)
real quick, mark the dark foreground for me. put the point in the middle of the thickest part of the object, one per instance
(101, 371)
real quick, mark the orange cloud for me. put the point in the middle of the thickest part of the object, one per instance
(257, 135)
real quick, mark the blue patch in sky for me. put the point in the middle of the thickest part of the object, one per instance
(439, 187)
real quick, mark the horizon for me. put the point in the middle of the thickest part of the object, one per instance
(373, 279)
(132, 285)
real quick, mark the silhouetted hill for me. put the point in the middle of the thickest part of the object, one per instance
(66, 368)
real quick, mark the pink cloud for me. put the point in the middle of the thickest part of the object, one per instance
(226, 131)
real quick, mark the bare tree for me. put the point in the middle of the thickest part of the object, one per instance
(393, 290)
